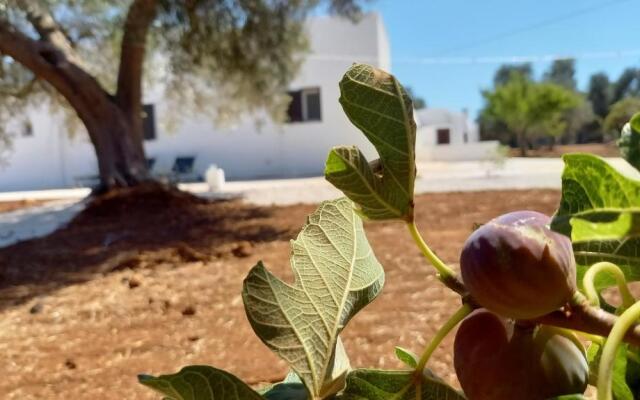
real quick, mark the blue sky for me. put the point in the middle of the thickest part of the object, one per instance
(503, 28)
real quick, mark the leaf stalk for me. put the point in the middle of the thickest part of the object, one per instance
(605, 369)
(445, 273)
(458, 316)
(588, 281)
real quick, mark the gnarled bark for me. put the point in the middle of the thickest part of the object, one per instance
(114, 123)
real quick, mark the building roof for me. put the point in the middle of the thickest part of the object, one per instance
(439, 116)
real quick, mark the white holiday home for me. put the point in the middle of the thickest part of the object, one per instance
(45, 156)
(446, 135)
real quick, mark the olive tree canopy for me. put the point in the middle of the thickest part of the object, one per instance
(93, 57)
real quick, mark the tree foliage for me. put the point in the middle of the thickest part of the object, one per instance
(621, 112)
(418, 101)
(94, 57)
(627, 85)
(246, 51)
(529, 109)
(562, 72)
(504, 73)
(599, 93)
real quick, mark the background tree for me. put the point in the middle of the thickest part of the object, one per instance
(599, 93)
(503, 74)
(575, 121)
(529, 109)
(621, 112)
(627, 85)
(562, 72)
(418, 101)
(93, 57)
(495, 129)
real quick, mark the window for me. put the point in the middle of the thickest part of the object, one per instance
(466, 137)
(443, 136)
(305, 105)
(183, 165)
(148, 122)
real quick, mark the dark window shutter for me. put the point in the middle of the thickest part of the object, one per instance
(294, 112)
(443, 136)
(313, 106)
(149, 122)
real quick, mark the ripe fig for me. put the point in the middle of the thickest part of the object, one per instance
(563, 361)
(495, 360)
(515, 266)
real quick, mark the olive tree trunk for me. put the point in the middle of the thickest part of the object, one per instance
(523, 143)
(113, 121)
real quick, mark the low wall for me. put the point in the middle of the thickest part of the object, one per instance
(476, 151)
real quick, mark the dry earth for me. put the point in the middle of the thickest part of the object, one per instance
(152, 285)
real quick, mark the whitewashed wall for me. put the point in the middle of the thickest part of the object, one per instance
(51, 159)
(474, 151)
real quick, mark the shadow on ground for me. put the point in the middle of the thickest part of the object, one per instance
(135, 229)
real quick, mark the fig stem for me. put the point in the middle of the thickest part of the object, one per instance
(445, 274)
(444, 330)
(605, 369)
(588, 281)
(582, 316)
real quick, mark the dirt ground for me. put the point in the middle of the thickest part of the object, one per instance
(7, 206)
(151, 285)
(599, 149)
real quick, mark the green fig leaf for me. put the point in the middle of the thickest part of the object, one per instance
(600, 212)
(409, 358)
(200, 382)
(629, 142)
(633, 371)
(378, 105)
(620, 388)
(336, 275)
(370, 384)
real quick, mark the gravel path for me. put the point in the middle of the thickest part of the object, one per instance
(514, 173)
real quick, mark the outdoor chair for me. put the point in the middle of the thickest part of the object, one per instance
(182, 170)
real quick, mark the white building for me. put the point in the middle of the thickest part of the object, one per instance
(440, 126)
(45, 156)
(445, 135)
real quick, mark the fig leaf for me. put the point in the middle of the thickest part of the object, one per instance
(336, 275)
(370, 384)
(377, 104)
(409, 358)
(200, 382)
(600, 212)
(620, 388)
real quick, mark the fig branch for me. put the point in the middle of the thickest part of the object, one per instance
(583, 317)
(580, 315)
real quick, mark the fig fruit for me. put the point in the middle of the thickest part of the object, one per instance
(495, 360)
(515, 266)
(563, 360)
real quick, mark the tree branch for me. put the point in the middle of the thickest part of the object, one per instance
(49, 63)
(43, 22)
(140, 15)
(585, 318)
